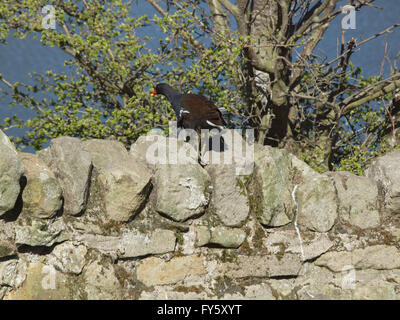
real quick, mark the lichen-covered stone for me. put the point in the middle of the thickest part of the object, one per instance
(42, 282)
(181, 192)
(227, 237)
(154, 150)
(380, 257)
(135, 244)
(336, 246)
(38, 232)
(203, 235)
(155, 271)
(101, 282)
(229, 199)
(11, 171)
(315, 195)
(273, 174)
(358, 199)
(42, 195)
(7, 248)
(132, 243)
(262, 266)
(72, 166)
(12, 273)
(280, 242)
(69, 258)
(124, 183)
(385, 171)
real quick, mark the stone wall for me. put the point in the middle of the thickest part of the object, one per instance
(91, 220)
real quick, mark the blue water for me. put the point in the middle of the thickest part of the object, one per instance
(20, 57)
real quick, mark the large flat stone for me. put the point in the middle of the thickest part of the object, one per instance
(262, 266)
(380, 257)
(155, 271)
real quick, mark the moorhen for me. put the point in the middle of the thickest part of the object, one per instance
(193, 111)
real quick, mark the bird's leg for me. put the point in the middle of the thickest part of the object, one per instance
(200, 150)
(203, 148)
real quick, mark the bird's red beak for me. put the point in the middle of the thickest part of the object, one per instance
(154, 93)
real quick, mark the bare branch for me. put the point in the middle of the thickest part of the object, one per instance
(387, 30)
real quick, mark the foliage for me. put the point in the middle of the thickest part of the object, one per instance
(111, 70)
(258, 61)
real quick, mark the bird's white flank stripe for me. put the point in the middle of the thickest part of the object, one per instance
(214, 125)
(182, 111)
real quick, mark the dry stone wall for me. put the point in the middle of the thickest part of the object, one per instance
(92, 220)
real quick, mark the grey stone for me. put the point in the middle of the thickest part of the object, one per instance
(320, 283)
(68, 258)
(42, 282)
(380, 257)
(7, 248)
(11, 171)
(105, 244)
(385, 170)
(101, 282)
(132, 243)
(138, 244)
(155, 149)
(262, 266)
(181, 185)
(358, 199)
(72, 167)
(39, 232)
(281, 242)
(316, 199)
(273, 171)
(12, 272)
(260, 291)
(167, 293)
(203, 235)
(227, 237)
(181, 191)
(317, 283)
(229, 198)
(155, 271)
(42, 195)
(220, 235)
(7, 235)
(123, 182)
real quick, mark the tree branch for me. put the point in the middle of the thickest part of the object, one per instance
(371, 92)
(187, 36)
(233, 9)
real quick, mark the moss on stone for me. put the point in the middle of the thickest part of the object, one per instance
(226, 285)
(6, 249)
(228, 255)
(195, 289)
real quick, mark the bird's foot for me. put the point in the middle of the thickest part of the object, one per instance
(201, 162)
